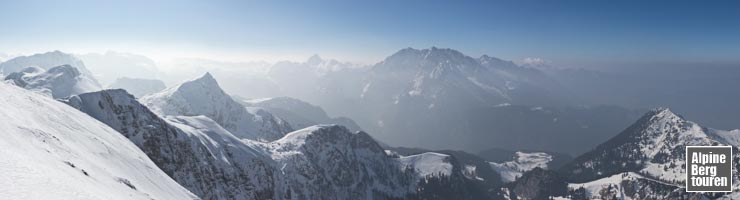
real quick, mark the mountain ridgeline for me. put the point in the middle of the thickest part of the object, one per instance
(193, 140)
(452, 100)
(317, 162)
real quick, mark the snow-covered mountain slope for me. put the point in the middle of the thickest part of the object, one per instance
(537, 183)
(318, 162)
(329, 162)
(432, 93)
(522, 162)
(433, 74)
(194, 150)
(450, 174)
(57, 82)
(203, 96)
(137, 86)
(654, 147)
(52, 151)
(626, 185)
(299, 114)
(428, 164)
(46, 61)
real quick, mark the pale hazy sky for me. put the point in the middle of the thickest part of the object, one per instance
(564, 32)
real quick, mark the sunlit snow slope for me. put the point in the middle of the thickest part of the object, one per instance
(51, 151)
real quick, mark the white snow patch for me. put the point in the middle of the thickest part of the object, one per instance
(522, 162)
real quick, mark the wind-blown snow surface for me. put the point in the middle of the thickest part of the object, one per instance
(203, 96)
(58, 82)
(522, 162)
(52, 151)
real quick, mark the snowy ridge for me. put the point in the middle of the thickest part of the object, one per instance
(333, 161)
(58, 82)
(46, 61)
(194, 150)
(652, 147)
(318, 162)
(522, 162)
(626, 185)
(428, 164)
(203, 96)
(48, 145)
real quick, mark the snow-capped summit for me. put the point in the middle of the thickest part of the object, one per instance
(317, 162)
(431, 59)
(57, 82)
(46, 61)
(194, 150)
(654, 146)
(203, 96)
(52, 151)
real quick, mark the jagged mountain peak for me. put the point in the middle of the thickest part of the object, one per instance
(663, 113)
(487, 60)
(206, 78)
(204, 86)
(52, 151)
(432, 54)
(653, 145)
(204, 96)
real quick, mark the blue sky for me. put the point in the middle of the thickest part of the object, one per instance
(575, 33)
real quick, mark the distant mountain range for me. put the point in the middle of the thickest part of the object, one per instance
(137, 86)
(451, 100)
(193, 140)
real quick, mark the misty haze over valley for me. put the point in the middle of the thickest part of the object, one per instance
(241, 100)
(439, 98)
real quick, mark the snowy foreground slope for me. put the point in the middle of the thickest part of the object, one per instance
(203, 96)
(52, 151)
